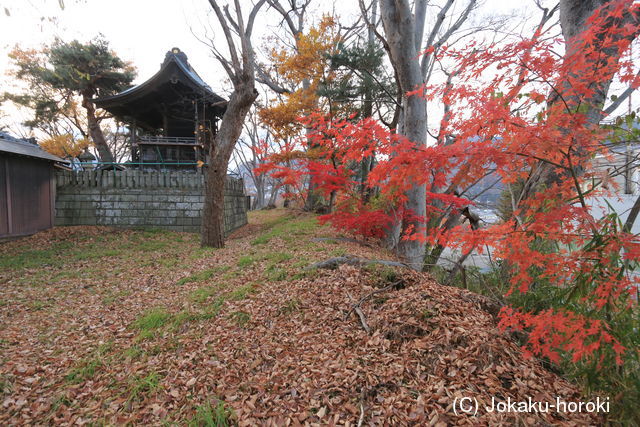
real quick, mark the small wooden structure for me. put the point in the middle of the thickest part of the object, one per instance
(172, 116)
(27, 187)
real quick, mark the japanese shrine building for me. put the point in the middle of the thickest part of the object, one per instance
(172, 117)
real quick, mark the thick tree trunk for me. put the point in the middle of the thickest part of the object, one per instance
(258, 202)
(574, 15)
(312, 201)
(241, 71)
(95, 131)
(274, 195)
(213, 213)
(399, 26)
(230, 129)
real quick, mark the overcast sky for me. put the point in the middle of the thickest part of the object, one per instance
(139, 31)
(142, 31)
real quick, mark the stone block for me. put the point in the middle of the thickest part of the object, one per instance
(192, 199)
(181, 220)
(136, 221)
(112, 212)
(86, 221)
(127, 198)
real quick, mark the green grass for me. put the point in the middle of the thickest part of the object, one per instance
(113, 297)
(85, 371)
(213, 416)
(152, 319)
(202, 252)
(241, 293)
(183, 318)
(276, 274)
(28, 259)
(134, 352)
(230, 275)
(245, 261)
(38, 305)
(287, 229)
(202, 276)
(212, 310)
(200, 295)
(80, 248)
(338, 252)
(140, 386)
(241, 318)
(306, 274)
(301, 263)
(6, 387)
(60, 400)
(276, 257)
(88, 367)
(273, 272)
(382, 275)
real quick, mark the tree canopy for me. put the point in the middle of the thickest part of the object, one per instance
(64, 77)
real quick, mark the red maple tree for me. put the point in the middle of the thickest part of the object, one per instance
(536, 123)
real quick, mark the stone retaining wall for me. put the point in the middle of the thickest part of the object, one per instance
(168, 200)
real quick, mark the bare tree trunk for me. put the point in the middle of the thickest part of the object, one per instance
(258, 202)
(213, 212)
(95, 131)
(399, 26)
(574, 15)
(241, 71)
(367, 109)
(230, 129)
(312, 201)
(633, 215)
(274, 195)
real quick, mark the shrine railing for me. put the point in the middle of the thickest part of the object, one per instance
(166, 140)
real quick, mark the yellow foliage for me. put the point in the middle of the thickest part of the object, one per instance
(307, 61)
(282, 117)
(65, 146)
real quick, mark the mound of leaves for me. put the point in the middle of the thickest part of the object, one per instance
(146, 328)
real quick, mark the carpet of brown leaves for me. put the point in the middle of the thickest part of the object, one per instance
(112, 326)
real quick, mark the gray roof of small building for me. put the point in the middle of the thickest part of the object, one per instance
(13, 145)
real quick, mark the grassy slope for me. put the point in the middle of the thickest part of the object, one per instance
(115, 326)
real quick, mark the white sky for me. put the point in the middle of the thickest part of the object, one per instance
(139, 31)
(142, 31)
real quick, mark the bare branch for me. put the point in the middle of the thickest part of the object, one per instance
(426, 59)
(264, 78)
(620, 99)
(235, 62)
(233, 23)
(295, 30)
(432, 36)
